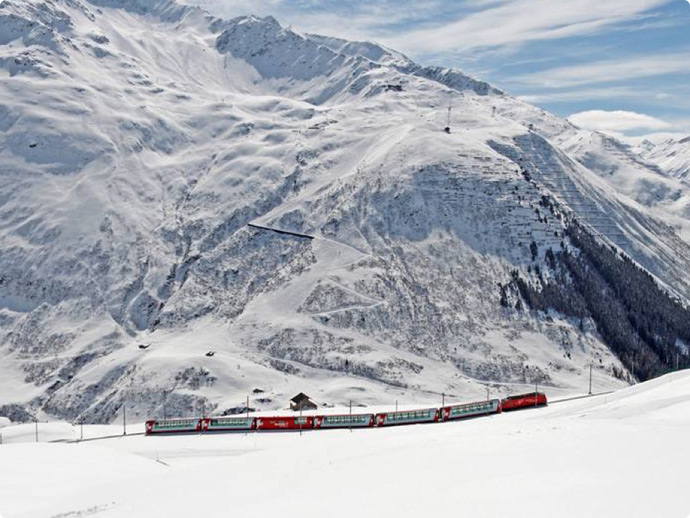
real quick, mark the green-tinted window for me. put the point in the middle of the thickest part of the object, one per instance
(172, 425)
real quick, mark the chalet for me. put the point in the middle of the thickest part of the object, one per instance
(302, 402)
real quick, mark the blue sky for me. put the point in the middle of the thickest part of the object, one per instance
(619, 66)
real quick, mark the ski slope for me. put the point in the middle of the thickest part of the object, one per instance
(621, 455)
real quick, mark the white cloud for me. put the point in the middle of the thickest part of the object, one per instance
(648, 95)
(631, 127)
(582, 95)
(609, 71)
(516, 21)
(617, 121)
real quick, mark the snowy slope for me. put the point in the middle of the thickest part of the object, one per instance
(672, 156)
(152, 159)
(622, 455)
(622, 169)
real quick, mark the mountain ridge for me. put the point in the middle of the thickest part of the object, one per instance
(672, 156)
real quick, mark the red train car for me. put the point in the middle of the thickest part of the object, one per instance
(531, 400)
(285, 423)
(165, 426)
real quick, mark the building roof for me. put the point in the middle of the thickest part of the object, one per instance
(299, 398)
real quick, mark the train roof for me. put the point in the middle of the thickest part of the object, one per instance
(434, 408)
(473, 403)
(176, 419)
(520, 396)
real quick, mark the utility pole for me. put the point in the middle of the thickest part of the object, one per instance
(590, 379)
(81, 427)
(447, 128)
(124, 417)
(487, 393)
(396, 405)
(247, 407)
(350, 415)
(443, 400)
(536, 392)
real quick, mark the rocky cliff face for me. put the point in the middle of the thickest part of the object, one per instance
(193, 210)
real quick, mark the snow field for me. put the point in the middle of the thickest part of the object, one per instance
(620, 455)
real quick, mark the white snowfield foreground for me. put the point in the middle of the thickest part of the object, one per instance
(619, 455)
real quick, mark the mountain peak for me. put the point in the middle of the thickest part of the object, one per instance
(166, 10)
(672, 156)
(275, 51)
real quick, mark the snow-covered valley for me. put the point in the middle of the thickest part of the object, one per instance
(621, 455)
(194, 209)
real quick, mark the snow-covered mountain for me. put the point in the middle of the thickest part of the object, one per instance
(672, 156)
(194, 209)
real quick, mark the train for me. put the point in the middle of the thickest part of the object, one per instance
(523, 401)
(239, 423)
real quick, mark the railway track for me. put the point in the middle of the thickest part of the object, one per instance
(296, 429)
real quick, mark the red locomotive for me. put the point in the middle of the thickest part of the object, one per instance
(531, 400)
